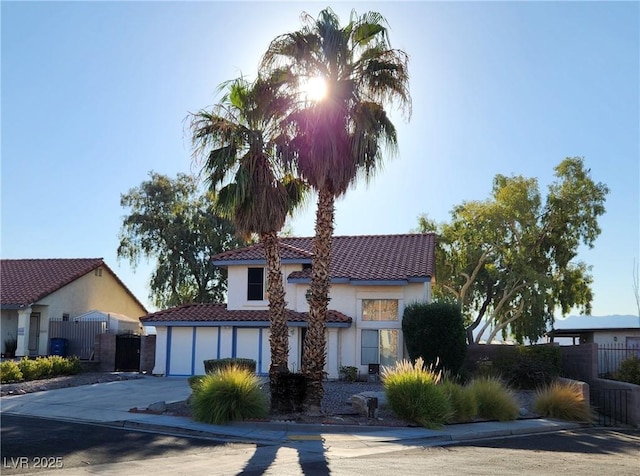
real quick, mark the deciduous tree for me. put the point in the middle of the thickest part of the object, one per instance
(173, 222)
(510, 260)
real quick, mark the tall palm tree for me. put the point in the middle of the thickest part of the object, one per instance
(338, 139)
(239, 137)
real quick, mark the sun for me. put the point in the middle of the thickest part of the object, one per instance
(315, 89)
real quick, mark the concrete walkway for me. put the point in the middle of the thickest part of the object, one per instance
(109, 404)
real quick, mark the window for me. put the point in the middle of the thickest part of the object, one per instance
(65, 317)
(379, 309)
(379, 346)
(255, 284)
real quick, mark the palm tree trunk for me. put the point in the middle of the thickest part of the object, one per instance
(279, 337)
(314, 352)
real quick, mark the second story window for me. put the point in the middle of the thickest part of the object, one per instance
(379, 309)
(255, 284)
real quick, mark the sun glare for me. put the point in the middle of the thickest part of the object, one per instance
(315, 88)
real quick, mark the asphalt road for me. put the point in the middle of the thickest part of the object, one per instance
(74, 449)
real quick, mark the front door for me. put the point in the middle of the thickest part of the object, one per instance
(34, 333)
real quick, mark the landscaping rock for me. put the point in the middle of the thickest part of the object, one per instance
(158, 407)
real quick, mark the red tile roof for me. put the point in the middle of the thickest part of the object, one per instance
(23, 282)
(220, 313)
(355, 258)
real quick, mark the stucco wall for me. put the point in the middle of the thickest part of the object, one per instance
(90, 292)
(614, 337)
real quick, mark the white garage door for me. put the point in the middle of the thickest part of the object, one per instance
(180, 351)
(254, 344)
(206, 347)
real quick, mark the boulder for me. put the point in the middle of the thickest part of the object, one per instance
(158, 407)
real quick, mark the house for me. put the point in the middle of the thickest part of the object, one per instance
(601, 330)
(37, 291)
(372, 278)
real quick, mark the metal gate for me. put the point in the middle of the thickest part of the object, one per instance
(128, 353)
(611, 405)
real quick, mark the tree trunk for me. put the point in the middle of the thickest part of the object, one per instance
(314, 351)
(279, 338)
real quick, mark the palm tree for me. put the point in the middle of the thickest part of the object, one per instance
(257, 192)
(338, 139)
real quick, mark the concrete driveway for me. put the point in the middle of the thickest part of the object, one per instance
(101, 402)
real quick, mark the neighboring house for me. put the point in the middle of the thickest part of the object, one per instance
(601, 330)
(373, 278)
(36, 291)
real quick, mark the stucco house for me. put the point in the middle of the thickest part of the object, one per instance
(601, 330)
(373, 278)
(35, 291)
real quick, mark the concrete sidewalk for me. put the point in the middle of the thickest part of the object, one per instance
(109, 404)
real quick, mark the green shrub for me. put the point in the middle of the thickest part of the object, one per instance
(629, 370)
(58, 365)
(10, 372)
(29, 368)
(413, 393)
(530, 366)
(463, 402)
(229, 394)
(195, 381)
(436, 333)
(349, 373)
(495, 401)
(213, 365)
(72, 366)
(564, 401)
(45, 367)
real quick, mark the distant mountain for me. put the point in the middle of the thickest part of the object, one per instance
(598, 322)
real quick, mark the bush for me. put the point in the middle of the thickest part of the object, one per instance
(413, 393)
(629, 370)
(563, 401)
(495, 401)
(349, 373)
(210, 366)
(46, 367)
(229, 394)
(9, 372)
(530, 366)
(29, 368)
(195, 381)
(436, 333)
(463, 402)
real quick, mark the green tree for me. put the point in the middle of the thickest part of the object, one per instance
(336, 140)
(435, 332)
(238, 137)
(173, 222)
(510, 260)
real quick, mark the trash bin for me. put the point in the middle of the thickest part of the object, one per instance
(59, 346)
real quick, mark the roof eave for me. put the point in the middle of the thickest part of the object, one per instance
(232, 324)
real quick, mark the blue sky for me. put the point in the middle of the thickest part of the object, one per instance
(94, 96)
